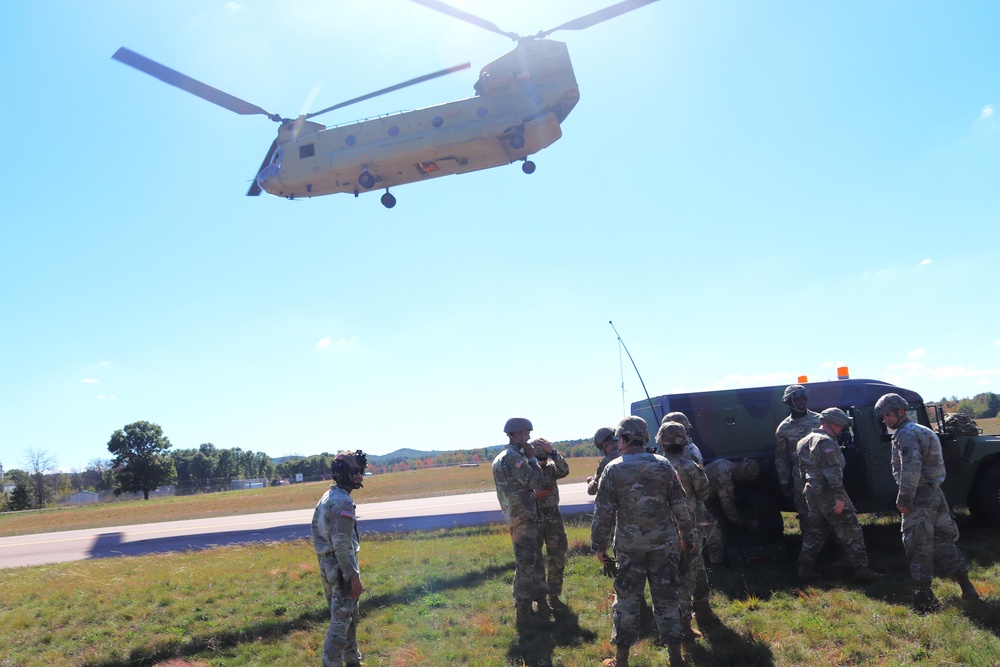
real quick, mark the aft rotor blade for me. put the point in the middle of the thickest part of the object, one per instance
(419, 79)
(254, 187)
(594, 18)
(186, 83)
(467, 17)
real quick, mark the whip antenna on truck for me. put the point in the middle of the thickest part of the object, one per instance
(622, 344)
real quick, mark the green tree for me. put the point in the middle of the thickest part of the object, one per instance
(141, 462)
(40, 463)
(21, 497)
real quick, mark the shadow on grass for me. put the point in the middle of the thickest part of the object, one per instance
(535, 647)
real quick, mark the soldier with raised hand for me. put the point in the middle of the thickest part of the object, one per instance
(673, 437)
(641, 500)
(722, 476)
(550, 522)
(799, 423)
(929, 531)
(821, 464)
(691, 450)
(606, 442)
(517, 475)
(335, 539)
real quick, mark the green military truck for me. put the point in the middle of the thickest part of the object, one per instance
(740, 423)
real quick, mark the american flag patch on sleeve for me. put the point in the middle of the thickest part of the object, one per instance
(519, 462)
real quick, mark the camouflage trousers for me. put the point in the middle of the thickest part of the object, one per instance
(929, 536)
(529, 566)
(553, 535)
(821, 521)
(341, 644)
(659, 568)
(798, 493)
(714, 541)
(693, 582)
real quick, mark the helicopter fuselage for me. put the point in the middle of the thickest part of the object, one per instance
(521, 100)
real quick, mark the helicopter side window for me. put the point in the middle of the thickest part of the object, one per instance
(307, 150)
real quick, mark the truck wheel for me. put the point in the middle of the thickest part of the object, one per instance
(986, 507)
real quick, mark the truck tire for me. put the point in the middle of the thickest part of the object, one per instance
(986, 495)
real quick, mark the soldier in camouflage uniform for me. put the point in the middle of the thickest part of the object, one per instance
(722, 473)
(798, 424)
(606, 442)
(929, 531)
(517, 475)
(641, 500)
(335, 539)
(691, 450)
(673, 437)
(821, 464)
(550, 522)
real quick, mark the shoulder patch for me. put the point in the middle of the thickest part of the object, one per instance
(347, 513)
(828, 450)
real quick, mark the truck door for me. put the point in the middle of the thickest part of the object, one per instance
(875, 445)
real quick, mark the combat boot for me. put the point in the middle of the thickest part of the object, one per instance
(969, 591)
(620, 659)
(352, 664)
(703, 612)
(807, 573)
(674, 653)
(544, 610)
(690, 634)
(924, 600)
(865, 573)
(556, 604)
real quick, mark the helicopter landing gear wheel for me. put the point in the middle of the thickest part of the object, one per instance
(388, 200)
(366, 180)
(517, 141)
(528, 167)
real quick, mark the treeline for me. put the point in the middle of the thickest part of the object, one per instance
(209, 468)
(980, 406)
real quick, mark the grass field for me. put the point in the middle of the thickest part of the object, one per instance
(443, 598)
(391, 486)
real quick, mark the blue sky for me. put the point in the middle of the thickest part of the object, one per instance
(750, 191)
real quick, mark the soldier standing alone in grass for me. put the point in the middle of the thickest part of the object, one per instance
(641, 500)
(550, 522)
(335, 538)
(821, 463)
(517, 475)
(799, 423)
(929, 531)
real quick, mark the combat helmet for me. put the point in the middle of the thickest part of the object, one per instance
(345, 465)
(602, 436)
(835, 416)
(517, 424)
(793, 391)
(678, 417)
(747, 470)
(890, 402)
(671, 434)
(633, 429)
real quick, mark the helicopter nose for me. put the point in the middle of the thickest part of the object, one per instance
(267, 173)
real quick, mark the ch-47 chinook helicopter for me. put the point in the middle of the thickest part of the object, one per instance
(521, 100)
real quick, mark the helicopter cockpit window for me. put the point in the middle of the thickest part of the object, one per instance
(307, 150)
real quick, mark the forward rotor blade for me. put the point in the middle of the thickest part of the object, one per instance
(419, 79)
(465, 16)
(594, 18)
(186, 83)
(254, 188)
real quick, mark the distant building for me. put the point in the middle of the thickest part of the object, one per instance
(241, 484)
(84, 497)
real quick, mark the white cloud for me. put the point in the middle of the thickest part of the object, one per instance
(336, 342)
(997, 342)
(324, 342)
(925, 262)
(917, 353)
(235, 6)
(89, 381)
(987, 111)
(105, 363)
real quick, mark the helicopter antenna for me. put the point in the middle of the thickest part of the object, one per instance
(648, 399)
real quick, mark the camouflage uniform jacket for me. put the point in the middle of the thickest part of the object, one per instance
(335, 530)
(916, 460)
(821, 463)
(556, 467)
(720, 482)
(517, 478)
(608, 458)
(787, 436)
(694, 480)
(692, 453)
(641, 499)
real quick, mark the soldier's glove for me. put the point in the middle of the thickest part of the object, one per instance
(610, 568)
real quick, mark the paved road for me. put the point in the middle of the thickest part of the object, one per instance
(171, 536)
